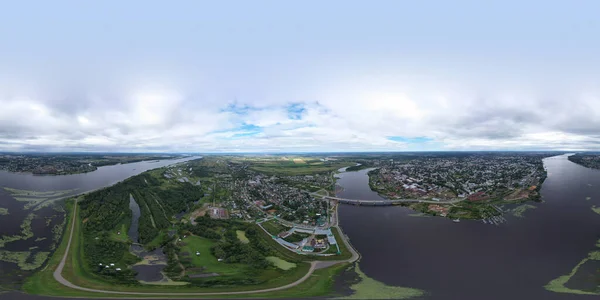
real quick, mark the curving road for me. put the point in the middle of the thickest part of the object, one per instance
(313, 265)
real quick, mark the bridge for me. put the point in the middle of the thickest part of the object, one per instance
(388, 202)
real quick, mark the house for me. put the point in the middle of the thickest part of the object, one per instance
(308, 249)
(478, 196)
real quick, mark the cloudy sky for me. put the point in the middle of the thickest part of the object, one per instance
(196, 76)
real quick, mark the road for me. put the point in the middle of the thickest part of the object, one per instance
(313, 266)
(356, 201)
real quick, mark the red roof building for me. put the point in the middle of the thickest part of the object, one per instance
(477, 196)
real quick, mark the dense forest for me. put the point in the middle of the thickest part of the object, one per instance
(357, 168)
(228, 245)
(104, 211)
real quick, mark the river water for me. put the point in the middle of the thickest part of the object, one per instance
(46, 218)
(466, 260)
(473, 260)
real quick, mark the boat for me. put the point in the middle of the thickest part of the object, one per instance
(456, 220)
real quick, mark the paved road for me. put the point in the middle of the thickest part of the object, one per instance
(58, 274)
(352, 201)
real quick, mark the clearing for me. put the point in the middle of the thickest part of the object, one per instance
(241, 235)
(208, 262)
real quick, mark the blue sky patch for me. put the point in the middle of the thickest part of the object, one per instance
(295, 111)
(238, 109)
(415, 140)
(245, 130)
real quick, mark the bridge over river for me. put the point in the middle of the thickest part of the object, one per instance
(389, 202)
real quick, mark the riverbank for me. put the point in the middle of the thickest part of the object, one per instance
(75, 271)
(34, 222)
(51, 281)
(71, 164)
(439, 256)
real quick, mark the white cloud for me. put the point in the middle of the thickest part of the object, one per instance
(345, 117)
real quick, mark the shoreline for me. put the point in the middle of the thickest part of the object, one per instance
(57, 272)
(79, 173)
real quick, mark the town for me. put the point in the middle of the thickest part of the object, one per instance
(466, 186)
(483, 181)
(588, 160)
(234, 190)
(65, 164)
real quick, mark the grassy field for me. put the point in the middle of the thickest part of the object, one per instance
(296, 237)
(280, 263)
(292, 256)
(210, 263)
(273, 227)
(158, 240)
(346, 254)
(42, 283)
(241, 235)
(122, 237)
(296, 166)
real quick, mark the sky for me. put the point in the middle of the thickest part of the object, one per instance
(295, 76)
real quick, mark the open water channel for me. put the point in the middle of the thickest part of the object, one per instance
(46, 218)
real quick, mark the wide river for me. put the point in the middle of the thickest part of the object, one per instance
(466, 260)
(473, 260)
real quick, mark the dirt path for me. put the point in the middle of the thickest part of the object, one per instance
(58, 277)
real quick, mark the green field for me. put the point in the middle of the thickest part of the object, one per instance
(3, 211)
(296, 237)
(252, 260)
(193, 244)
(320, 283)
(293, 256)
(76, 271)
(295, 166)
(241, 235)
(280, 263)
(273, 227)
(158, 240)
(122, 237)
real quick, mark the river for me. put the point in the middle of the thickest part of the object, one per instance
(46, 218)
(466, 260)
(472, 260)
